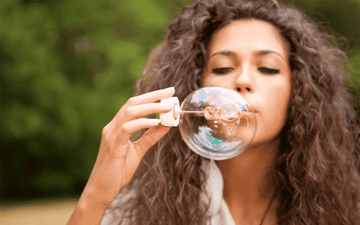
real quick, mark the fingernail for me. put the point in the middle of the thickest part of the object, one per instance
(170, 90)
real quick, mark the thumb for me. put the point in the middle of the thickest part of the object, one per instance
(150, 137)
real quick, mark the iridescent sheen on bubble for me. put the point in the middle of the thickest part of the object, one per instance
(222, 124)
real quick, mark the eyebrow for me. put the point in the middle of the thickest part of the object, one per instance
(255, 53)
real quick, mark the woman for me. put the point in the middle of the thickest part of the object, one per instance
(302, 166)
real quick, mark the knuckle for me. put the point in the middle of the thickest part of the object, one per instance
(131, 101)
(128, 112)
(105, 131)
(124, 129)
(105, 137)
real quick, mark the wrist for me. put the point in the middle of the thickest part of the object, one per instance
(89, 210)
(90, 198)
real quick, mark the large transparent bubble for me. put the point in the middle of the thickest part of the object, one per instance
(217, 123)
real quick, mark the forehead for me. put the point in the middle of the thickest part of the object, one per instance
(248, 35)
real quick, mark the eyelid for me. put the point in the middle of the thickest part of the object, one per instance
(226, 70)
(222, 70)
(268, 70)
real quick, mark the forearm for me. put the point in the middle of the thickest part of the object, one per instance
(88, 211)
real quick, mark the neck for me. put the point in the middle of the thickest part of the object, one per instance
(249, 181)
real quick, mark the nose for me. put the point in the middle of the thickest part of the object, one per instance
(243, 82)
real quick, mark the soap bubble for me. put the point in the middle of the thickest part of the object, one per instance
(217, 123)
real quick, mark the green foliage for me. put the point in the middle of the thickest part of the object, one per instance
(67, 67)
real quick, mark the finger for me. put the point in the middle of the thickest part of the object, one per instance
(143, 110)
(133, 126)
(149, 138)
(137, 111)
(153, 96)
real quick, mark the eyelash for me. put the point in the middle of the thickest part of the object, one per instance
(269, 70)
(222, 70)
(225, 70)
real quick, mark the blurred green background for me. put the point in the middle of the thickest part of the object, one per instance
(67, 67)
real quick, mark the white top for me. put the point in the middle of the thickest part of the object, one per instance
(218, 211)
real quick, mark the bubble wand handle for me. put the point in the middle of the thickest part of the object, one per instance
(209, 113)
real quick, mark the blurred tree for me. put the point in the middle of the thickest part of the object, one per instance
(68, 66)
(67, 69)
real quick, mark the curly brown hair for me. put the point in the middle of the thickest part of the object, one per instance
(317, 169)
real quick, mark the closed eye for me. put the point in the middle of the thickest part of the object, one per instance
(222, 70)
(268, 70)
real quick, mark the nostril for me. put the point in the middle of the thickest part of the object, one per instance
(239, 89)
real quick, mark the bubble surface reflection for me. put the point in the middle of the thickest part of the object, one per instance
(217, 123)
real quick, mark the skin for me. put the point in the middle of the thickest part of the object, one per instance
(118, 157)
(248, 184)
(247, 189)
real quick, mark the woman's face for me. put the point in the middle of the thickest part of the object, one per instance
(250, 57)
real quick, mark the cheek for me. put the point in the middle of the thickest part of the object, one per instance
(278, 105)
(219, 81)
(269, 126)
(274, 111)
(208, 80)
(277, 95)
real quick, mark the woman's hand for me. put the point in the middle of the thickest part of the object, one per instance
(118, 157)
